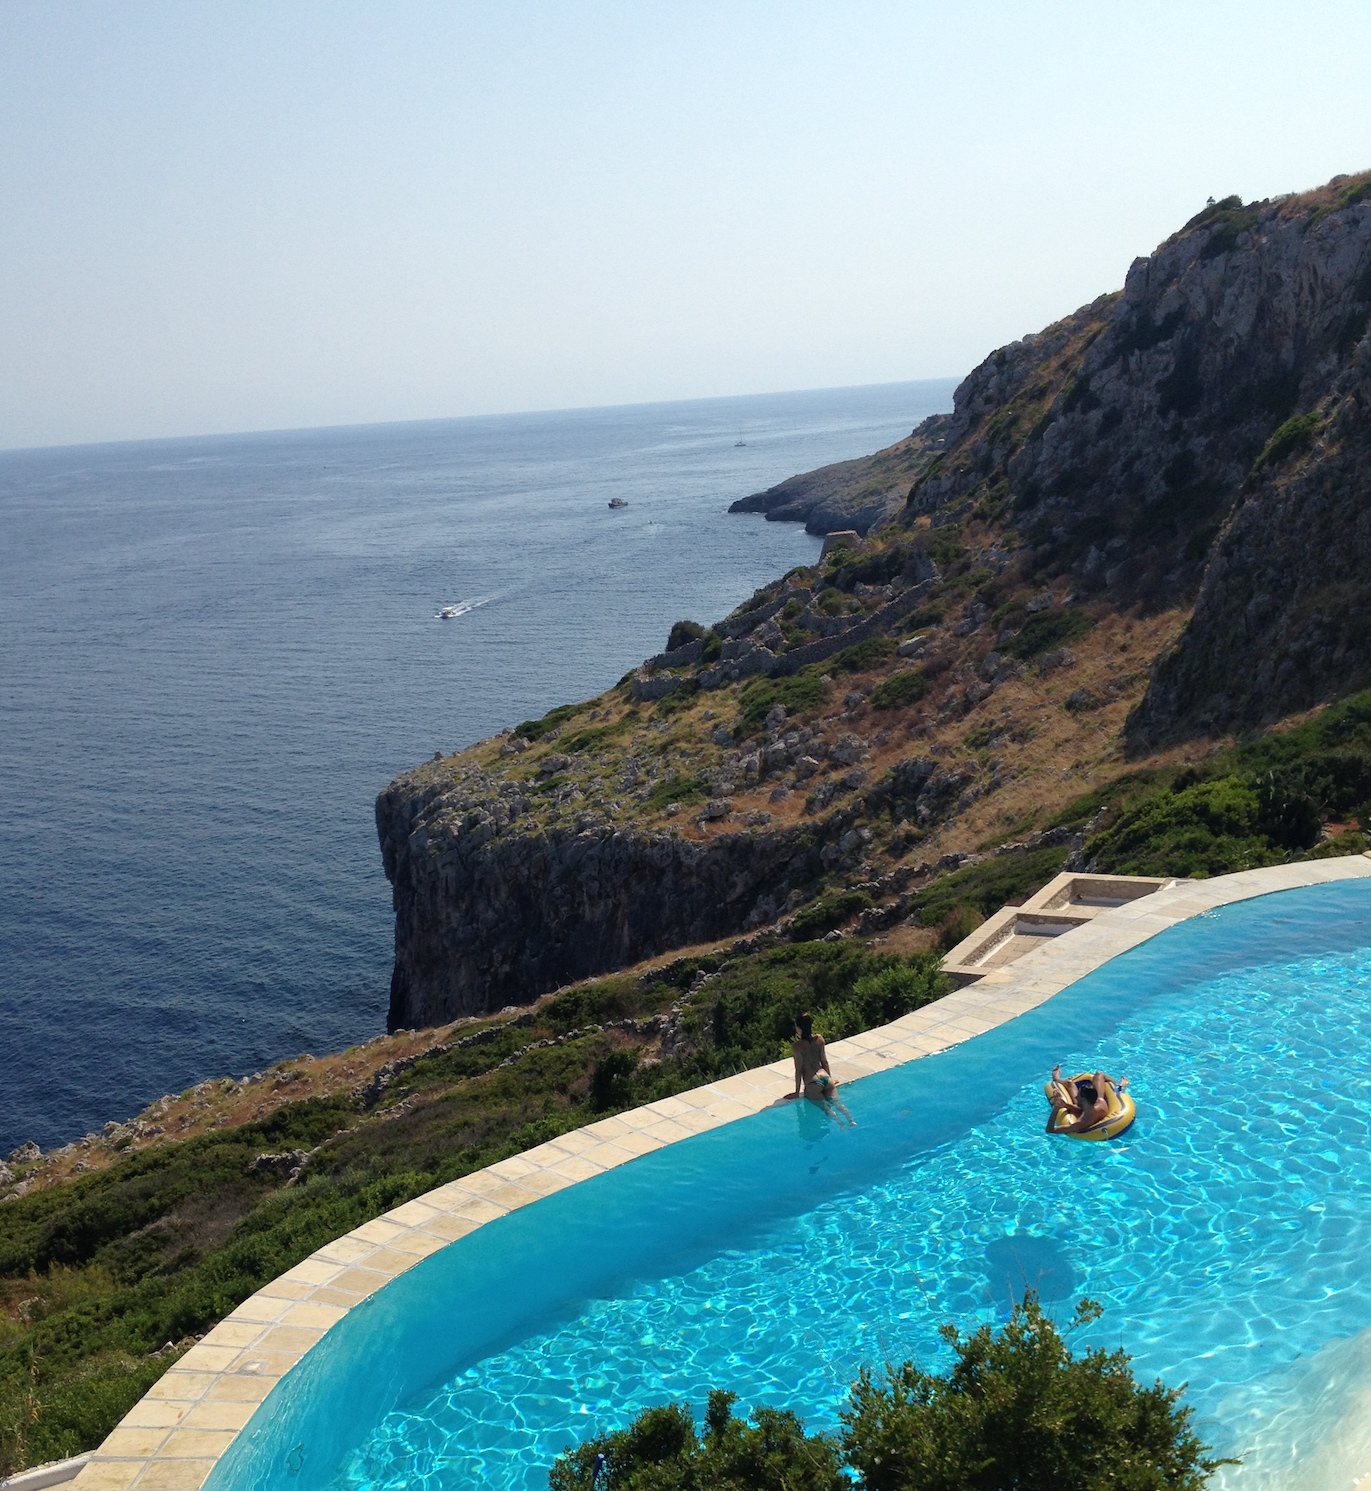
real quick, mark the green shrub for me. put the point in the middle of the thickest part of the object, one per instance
(681, 697)
(958, 924)
(676, 788)
(900, 689)
(1012, 612)
(1018, 1409)
(862, 656)
(1048, 630)
(683, 633)
(594, 736)
(661, 1451)
(877, 999)
(1262, 803)
(1225, 220)
(611, 1081)
(929, 615)
(1294, 435)
(946, 549)
(831, 602)
(1350, 841)
(875, 568)
(58, 1417)
(798, 693)
(554, 719)
(1210, 211)
(714, 647)
(1235, 821)
(1287, 813)
(828, 913)
(844, 985)
(1211, 828)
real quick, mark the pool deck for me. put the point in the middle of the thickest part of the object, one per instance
(173, 1437)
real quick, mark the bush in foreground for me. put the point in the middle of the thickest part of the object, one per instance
(661, 1451)
(1018, 1410)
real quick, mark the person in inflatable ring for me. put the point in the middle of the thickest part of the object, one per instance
(1087, 1100)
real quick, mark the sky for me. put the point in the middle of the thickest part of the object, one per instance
(286, 213)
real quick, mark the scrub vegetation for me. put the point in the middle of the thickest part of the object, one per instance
(107, 1276)
(1019, 1408)
(1294, 794)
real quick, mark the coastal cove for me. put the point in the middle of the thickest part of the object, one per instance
(219, 650)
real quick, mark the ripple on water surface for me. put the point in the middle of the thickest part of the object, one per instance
(1226, 1237)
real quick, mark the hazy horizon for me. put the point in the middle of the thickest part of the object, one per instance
(287, 216)
(380, 424)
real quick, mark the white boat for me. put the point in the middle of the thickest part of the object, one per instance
(451, 613)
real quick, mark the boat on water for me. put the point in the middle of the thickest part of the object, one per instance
(618, 502)
(451, 613)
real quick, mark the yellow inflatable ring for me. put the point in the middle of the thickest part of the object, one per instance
(1122, 1112)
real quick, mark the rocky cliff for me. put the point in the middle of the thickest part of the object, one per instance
(861, 494)
(489, 910)
(491, 905)
(1203, 434)
(1149, 523)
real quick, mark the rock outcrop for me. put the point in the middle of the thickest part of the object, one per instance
(485, 918)
(862, 494)
(488, 914)
(1203, 434)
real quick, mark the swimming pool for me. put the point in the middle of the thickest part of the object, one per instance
(777, 1254)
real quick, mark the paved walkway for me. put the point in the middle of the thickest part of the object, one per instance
(173, 1437)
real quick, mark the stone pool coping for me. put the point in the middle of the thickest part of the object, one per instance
(174, 1436)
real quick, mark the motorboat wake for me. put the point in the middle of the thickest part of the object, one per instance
(461, 608)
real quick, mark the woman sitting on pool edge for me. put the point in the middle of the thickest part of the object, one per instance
(1087, 1099)
(812, 1075)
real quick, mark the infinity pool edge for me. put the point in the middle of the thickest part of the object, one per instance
(175, 1435)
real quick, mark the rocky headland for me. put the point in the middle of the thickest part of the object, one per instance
(862, 494)
(1140, 530)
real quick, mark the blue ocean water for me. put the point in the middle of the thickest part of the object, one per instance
(1226, 1236)
(217, 651)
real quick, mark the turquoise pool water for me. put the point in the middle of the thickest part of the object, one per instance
(1228, 1236)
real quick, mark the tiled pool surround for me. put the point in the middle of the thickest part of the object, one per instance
(1068, 901)
(173, 1437)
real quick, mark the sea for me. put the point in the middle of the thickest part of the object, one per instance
(215, 652)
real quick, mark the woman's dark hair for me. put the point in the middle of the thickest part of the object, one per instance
(805, 1025)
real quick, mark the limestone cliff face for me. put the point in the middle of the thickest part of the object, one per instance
(490, 910)
(1283, 620)
(487, 915)
(1145, 447)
